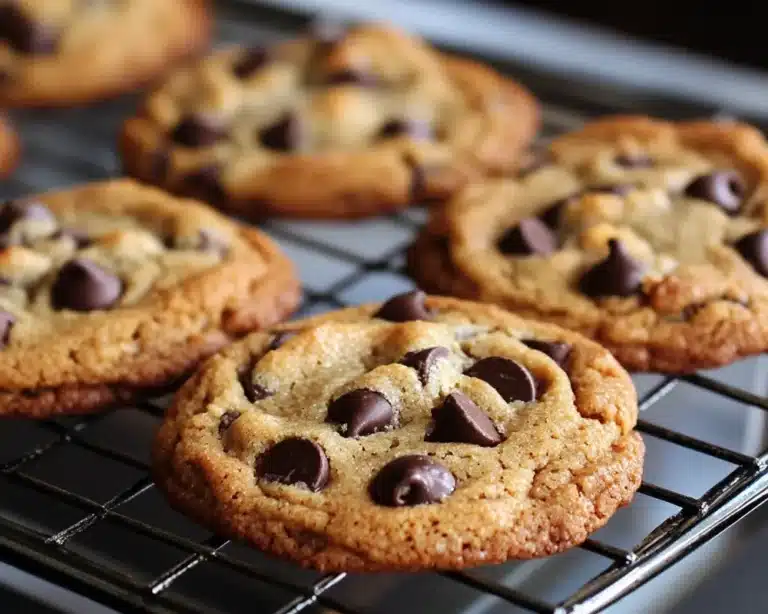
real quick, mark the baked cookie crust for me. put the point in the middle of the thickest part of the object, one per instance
(10, 148)
(342, 442)
(112, 290)
(650, 237)
(342, 125)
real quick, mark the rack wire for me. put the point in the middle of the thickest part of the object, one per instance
(78, 507)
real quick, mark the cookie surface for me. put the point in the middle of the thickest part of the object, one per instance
(111, 289)
(407, 436)
(59, 52)
(9, 148)
(649, 237)
(336, 124)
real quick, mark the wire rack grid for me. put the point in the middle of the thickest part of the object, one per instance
(77, 506)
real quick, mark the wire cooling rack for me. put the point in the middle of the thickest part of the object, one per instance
(77, 506)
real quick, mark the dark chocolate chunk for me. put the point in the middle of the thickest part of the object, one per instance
(530, 237)
(405, 308)
(198, 130)
(227, 419)
(556, 350)
(281, 338)
(205, 185)
(296, 462)
(82, 285)
(250, 61)
(459, 420)
(423, 361)
(414, 128)
(361, 412)
(618, 275)
(253, 391)
(412, 480)
(724, 188)
(551, 215)
(286, 134)
(24, 34)
(509, 378)
(754, 249)
(18, 210)
(7, 320)
(636, 160)
(352, 76)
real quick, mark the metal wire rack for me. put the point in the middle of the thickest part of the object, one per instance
(78, 508)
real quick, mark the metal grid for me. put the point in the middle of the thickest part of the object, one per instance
(50, 519)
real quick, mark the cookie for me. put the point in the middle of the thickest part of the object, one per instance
(338, 124)
(9, 148)
(647, 236)
(418, 434)
(61, 52)
(111, 290)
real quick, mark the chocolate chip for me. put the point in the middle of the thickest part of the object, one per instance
(551, 215)
(198, 130)
(286, 134)
(724, 188)
(253, 391)
(296, 462)
(281, 338)
(79, 237)
(413, 128)
(459, 420)
(7, 320)
(424, 361)
(405, 308)
(23, 34)
(227, 419)
(412, 480)
(635, 160)
(82, 285)
(530, 237)
(352, 76)
(209, 241)
(557, 351)
(361, 412)
(618, 275)
(205, 185)
(509, 378)
(250, 61)
(17, 211)
(754, 249)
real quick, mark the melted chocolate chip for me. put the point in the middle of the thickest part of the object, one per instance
(352, 76)
(551, 215)
(724, 188)
(509, 378)
(7, 320)
(82, 285)
(636, 160)
(17, 211)
(205, 185)
(557, 351)
(618, 275)
(754, 249)
(361, 412)
(198, 130)
(459, 420)
(414, 128)
(405, 308)
(227, 419)
(530, 237)
(424, 361)
(412, 480)
(281, 338)
(286, 134)
(24, 34)
(253, 391)
(250, 62)
(296, 462)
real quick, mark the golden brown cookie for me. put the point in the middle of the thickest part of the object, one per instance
(112, 289)
(405, 436)
(61, 52)
(10, 148)
(340, 125)
(647, 236)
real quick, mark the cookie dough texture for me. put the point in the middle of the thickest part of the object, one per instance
(565, 463)
(111, 290)
(10, 148)
(63, 52)
(685, 207)
(340, 125)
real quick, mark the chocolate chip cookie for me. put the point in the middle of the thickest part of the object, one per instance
(59, 52)
(110, 290)
(340, 124)
(422, 433)
(9, 148)
(649, 237)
